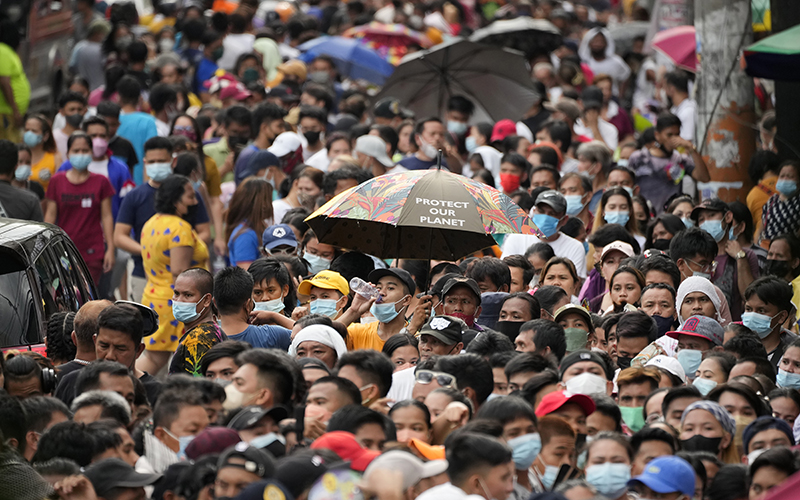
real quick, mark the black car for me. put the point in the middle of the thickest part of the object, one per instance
(41, 272)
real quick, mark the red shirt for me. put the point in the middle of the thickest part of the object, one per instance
(79, 213)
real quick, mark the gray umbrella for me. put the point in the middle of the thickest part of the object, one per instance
(497, 80)
(532, 37)
(624, 34)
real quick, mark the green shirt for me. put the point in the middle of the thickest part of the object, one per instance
(11, 67)
(218, 151)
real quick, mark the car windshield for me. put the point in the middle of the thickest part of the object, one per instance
(19, 325)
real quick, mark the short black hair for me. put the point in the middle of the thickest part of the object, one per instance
(522, 263)
(538, 382)
(266, 113)
(344, 386)
(129, 89)
(264, 269)
(662, 264)
(158, 143)
(239, 115)
(58, 466)
(608, 407)
(492, 268)
(780, 458)
(760, 406)
(9, 156)
(109, 109)
(637, 324)
(170, 403)
(330, 179)
(372, 366)
(113, 405)
(93, 120)
(169, 193)
(320, 93)
(350, 418)
(162, 94)
(39, 411)
(506, 410)
(548, 296)
(542, 250)
(659, 286)
(745, 344)
(225, 349)
(275, 369)
(610, 233)
(771, 290)
(501, 359)
(460, 104)
(729, 482)
(679, 79)
(203, 279)
(763, 365)
(89, 377)
(137, 52)
(468, 452)
(66, 440)
(489, 342)
(313, 112)
(122, 318)
(549, 158)
(547, 334)
(652, 434)
(470, 370)
(684, 391)
(559, 131)
(545, 167)
(70, 96)
(354, 264)
(233, 286)
(666, 120)
(528, 362)
(13, 420)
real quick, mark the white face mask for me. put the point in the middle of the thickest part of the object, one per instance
(586, 383)
(751, 457)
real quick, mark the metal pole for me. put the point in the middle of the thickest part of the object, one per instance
(786, 14)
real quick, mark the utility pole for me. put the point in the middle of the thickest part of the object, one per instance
(786, 14)
(725, 98)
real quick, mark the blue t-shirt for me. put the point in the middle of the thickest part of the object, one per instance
(205, 70)
(138, 206)
(414, 163)
(244, 245)
(137, 128)
(266, 336)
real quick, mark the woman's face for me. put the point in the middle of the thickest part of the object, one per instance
(436, 403)
(311, 349)
(607, 450)
(23, 158)
(640, 212)
(625, 290)
(314, 247)
(410, 423)
(611, 263)
(338, 148)
(661, 233)
(617, 203)
(665, 136)
(701, 422)
(585, 165)
(785, 409)
(480, 139)
(788, 173)
(790, 362)
(405, 357)
(307, 188)
(80, 147)
(35, 126)
(737, 405)
(559, 275)
(404, 141)
(683, 210)
(764, 480)
(711, 370)
(697, 304)
(188, 199)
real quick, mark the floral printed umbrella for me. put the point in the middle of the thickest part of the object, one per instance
(418, 214)
(391, 41)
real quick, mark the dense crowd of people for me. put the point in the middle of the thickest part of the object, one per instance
(642, 344)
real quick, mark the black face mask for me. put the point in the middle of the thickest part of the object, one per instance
(664, 323)
(623, 363)
(312, 137)
(509, 328)
(74, 120)
(701, 443)
(191, 215)
(580, 440)
(779, 268)
(661, 244)
(236, 142)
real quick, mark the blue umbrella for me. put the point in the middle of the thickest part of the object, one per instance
(353, 60)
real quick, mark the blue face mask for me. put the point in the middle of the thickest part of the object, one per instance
(586, 247)
(690, 360)
(761, 324)
(628, 189)
(609, 478)
(617, 217)
(316, 262)
(574, 205)
(687, 222)
(22, 173)
(186, 312)
(785, 187)
(80, 162)
(525, 449)
(32, 139)
(714, 228)
(385, 312)
(266, 440)
(326, 307)
(549, 477)
(275, 305)
(470, 144)
(704, 385)
(183, 442)
(158, 172)
(547, 224)
(788, 380)
(457, 128)
(196, 185)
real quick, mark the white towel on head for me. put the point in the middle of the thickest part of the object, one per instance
(325, 335)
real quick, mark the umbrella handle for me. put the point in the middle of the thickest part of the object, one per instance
(439, 156)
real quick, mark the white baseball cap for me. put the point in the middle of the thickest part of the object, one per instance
(619, 246)
(669, 364)
(287, 142)
(374, 146)
(412, 468)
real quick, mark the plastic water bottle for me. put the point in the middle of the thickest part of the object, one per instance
(218, 264)
(364, 289)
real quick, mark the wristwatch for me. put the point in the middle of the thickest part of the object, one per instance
(741, 255)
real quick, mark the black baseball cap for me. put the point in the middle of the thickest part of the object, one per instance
(257, 461)
(713, 204)
(250, 415)
(402, 274)
(387, 108)
(300, 471)
(462, 281)
(437, 287)
(447, 329)
(584, 355)
(284, 93)
(592, 97)
(112, 473)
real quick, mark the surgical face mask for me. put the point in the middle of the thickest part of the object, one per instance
(617, 217)
(428, 150)
(751, 457)
(326, 307)
(586, 383)
(704, 385)
(633, 417)
(32, 139)
(22, 172)
(470, 144)
(761, 324)
(525, 449)
(457, 128)
(786, 187)
(547, 224)
(622, 162)
(275, 305)
(790, 380)
(687, 222)
(186, 312)
(628, 189)
(266, 440)
(701, 275)
(385, 313)
(165, 45)
(509, 182)
(99, 147)
(549, 477)
(250, 75)
(80, 162)
(183, 442)
(158, 172)
(574, 204)
(75, 120)
(234, 398)
(609, 478)
(316, 262)
(714, 228)
(690, 360)
(222, 382)
(701, 443)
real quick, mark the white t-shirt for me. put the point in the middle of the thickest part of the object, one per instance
(645, 89)
(319, 160)
(279, 209)
(569, 165)
(402, 385)
(687, 112)
(612, 66)
(234, 46)
(564, 246)
(447, 491)
(162, 128)
(609, 133)
(99, 167)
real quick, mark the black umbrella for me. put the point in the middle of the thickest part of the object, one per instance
(532, 37)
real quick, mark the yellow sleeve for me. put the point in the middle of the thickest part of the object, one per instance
(213, 179)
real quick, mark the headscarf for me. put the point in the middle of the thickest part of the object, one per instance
(325, 335)
(270, 56)
(697, 284)
(586, 54)
(720, 414)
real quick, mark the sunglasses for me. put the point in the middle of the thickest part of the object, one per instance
(425, 377)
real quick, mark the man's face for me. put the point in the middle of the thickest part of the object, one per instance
(73, 108)
(694, 343)
(113, 124)
(231, 481)
(169, 74)
(460, 299)
(770, 438)
(583, 366)
(431, 346)
(392, 289)
(112, 345)
(515, 309)
(633, 395)
(499, 481)
(629, 347)
(97, 132)
(618, 178)
(371, 436)
(421, 391)
(543, 178)
(658, 302)
(675, 410)
(121, 385)
(574, 320)
(517, 280)
(573, 414)
(500, 381)
(597, 45)
(655, 276)
(433, 134)
(191, 421)
(88, 414)
(319, 66)
(222, 369)
(649, 450)
(326, 396)
(238, 130)
(524, 341)
(127, 449)
(269, 289)
(697, 304)
(309, 124)
(24, 388)
(558, 451)
(247, 381)
(517, 381)
(157, 156)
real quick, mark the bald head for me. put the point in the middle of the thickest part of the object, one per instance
(85, 323)
(201, 279)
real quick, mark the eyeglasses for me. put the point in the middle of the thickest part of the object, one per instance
(446, 380)
(708, 268)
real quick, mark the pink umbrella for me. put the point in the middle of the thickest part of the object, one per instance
(680, 45)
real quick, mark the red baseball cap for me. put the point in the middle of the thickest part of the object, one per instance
(235, 91)
(345, 445)
(556, 400)
(503, 129)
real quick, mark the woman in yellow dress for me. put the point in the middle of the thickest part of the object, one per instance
(169, 247)
(45, 159)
